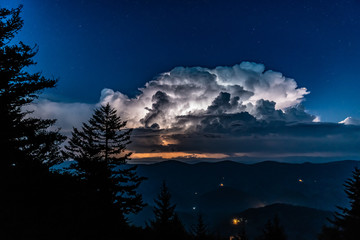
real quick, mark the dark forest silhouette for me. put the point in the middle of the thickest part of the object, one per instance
(94, 200)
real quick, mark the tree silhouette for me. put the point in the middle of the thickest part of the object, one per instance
(99, 151)
(200, 230)
(346, 225)
(34, 200)
(24, 140)
(164, 211)
(166, 224)
(273, 230)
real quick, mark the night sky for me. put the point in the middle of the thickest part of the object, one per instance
(122, 45)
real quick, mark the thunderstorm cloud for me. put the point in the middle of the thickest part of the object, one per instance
(196, 91)
(243, 110)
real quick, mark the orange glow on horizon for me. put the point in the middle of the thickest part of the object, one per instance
(169, 155)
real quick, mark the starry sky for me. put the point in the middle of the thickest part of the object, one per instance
(112, 48)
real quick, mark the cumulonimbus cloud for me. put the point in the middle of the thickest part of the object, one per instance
(243, 110)
(197, 91)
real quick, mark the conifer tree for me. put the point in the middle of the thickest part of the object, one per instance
(24, 140)
(200, 230)
(166, 224)
(273, 230)
(164, 210)
(30, 192)
(346, 224)
(99, 151)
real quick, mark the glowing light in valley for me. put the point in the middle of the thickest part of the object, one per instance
(236, 221)
(221, 184)
(300, 180)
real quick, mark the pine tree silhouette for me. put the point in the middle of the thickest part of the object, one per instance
(25, 141)
(346, 224)
(99, 151)
(273, 230)
(33, 199)
(164, 210)
(166, 224)
(200, 231)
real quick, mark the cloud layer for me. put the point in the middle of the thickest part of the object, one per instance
(68, 115)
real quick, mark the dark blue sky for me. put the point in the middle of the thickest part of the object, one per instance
(93, 44)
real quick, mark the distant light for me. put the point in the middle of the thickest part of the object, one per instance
(194, 208)
(300, 180)
(236, 221)
(221, 184)
(196, 193)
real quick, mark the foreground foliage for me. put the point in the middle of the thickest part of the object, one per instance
(25, 140)
(346, 224)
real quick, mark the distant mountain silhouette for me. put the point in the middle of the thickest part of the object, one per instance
(308, 184)
(224, 190)
(300, 223)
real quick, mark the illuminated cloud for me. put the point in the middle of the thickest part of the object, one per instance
(350, 121)
(196, 91)
(225, 112)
